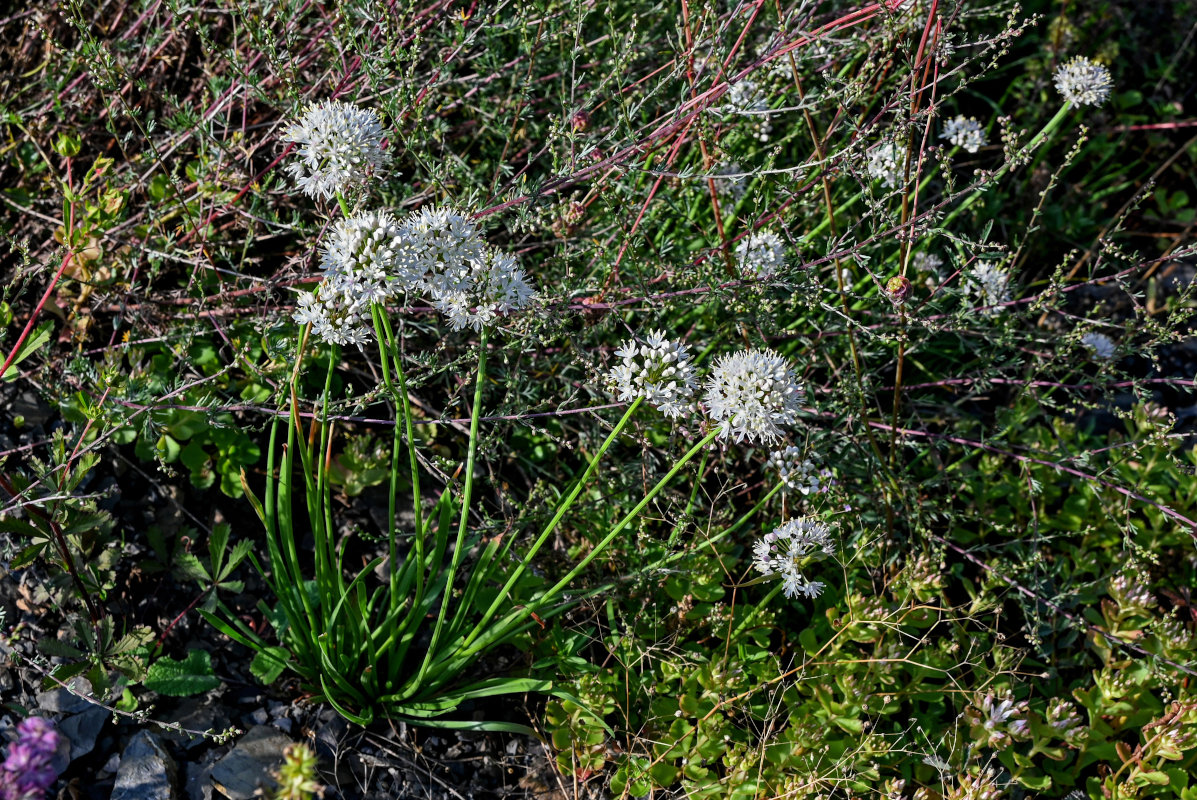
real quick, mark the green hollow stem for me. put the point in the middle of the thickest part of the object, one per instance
(518, 572)
(390, 356)
(466, 496)
(344, 205)
(525, 612)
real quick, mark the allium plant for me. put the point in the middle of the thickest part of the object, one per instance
(754, 393)
(760, 254)
(657, 370)
(27, 772)
(788, 550)
(404, 646)
(964, 132)
(339, 148)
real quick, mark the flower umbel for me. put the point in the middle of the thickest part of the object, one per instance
(760, 254)
(787, 550)
(494, 284)
(361, 262)
(964, 132)
(884, 164)
(339, 146)
(658, 370)
(1084, 82)
(1101, 346)
(754, 393)
(796, 472)
(990, 284)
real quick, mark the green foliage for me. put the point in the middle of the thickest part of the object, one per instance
(193, 675)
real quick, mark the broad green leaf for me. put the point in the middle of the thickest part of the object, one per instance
(193, 675)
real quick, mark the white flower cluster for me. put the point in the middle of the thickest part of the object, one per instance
(787, 550)
(885, 164)
(760, 254)
(360, 261)
(1084, 82)
(659, 370)
(1101, 346)
(991, 285)
(964, 132)
(371, 257)
(797, 473)
(753, 392)
(745, 98)
(340, 145)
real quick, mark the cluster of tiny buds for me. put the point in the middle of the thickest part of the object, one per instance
(1130, 594)
(797, 472)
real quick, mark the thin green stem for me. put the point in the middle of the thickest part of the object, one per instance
(466, 497)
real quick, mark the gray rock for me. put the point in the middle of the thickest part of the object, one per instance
(147, 771)
(259, 717)
(82, 729)
(62, 701)
(197, 778)
(250, 764)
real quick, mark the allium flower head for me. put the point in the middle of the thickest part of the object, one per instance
(659, 370)
(441, 249)
(760, 254)
(340, 146)
(787, 550)
(964, 132)
(361, 261)
(492, 284)
(885, 164)
(730, 181)
(754, 393)
(1084, 82)
(796, 472)
(991, 286)
(1102, 346)
(745, 98)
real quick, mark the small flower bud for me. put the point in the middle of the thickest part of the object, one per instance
(898, 288)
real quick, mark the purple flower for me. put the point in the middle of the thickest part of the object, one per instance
(27, 773)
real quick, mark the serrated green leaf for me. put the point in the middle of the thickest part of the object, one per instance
(187, 566)
(268, 664)
(193, 675)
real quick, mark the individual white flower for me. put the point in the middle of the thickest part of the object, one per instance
(1102, 346)
(339, 146)
(494, 284)
(659, 370)
(787, 550)
(754, 393)
(964, 132)
(885, 164)
(1084, 82)
(745, 98)
(991, 286)
(761, 254)
(796, 472)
